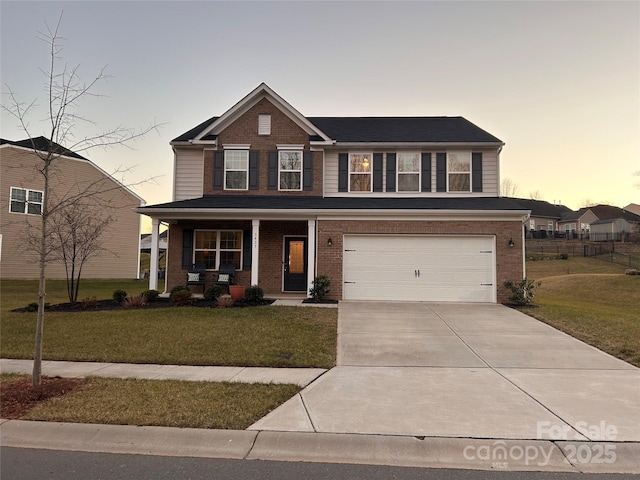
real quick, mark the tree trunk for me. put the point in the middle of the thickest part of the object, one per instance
(36, 377)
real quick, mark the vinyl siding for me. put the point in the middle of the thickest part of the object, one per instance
(188, 175)
(490, 182)
(121, 236)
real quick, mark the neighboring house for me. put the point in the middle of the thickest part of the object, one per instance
(544, 218)
(145, 242)
(577, 224)
(390, 208)
(633, 208)
(612, 229)
(608, 212)
(21, 199)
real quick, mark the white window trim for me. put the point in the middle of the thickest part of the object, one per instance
(288, 150)
(459, 173)
(398, 173)
(26, 201)
(370, 173)
(218, 249)
(246, 150)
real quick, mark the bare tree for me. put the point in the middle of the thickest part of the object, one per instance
(535, 195)
(76, 236)
(65, 91)
(508, 188)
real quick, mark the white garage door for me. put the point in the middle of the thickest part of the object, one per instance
(421, 268)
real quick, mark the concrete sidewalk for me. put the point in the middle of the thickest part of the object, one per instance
(297, 376)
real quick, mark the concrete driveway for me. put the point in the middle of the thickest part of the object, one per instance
(463, 370)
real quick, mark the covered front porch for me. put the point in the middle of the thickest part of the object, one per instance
(278, 255)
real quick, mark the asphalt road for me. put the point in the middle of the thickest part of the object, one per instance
(33, 464)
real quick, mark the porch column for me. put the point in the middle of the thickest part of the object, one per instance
(311, 254)
(153, 266)
(255, 250)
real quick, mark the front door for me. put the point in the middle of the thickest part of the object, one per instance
(295, 264)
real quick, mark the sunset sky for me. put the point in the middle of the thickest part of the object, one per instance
(558, 82)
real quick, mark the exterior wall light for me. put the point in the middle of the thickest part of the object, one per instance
(511, 244)
(330, 242)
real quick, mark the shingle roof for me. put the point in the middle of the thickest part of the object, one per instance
(540, 208)
(283, 202)
(386, 129)
(42, 144)
(610, 212)
(402, 129)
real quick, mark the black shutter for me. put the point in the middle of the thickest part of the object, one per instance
(391, 172)
(272, 172)
(218, 170)
(426, 172)
(343, 172)
(254, 160)
(246, 249)
(187, 249)
(307, 170)
(476, 171)
(377, 172)
(441, 172)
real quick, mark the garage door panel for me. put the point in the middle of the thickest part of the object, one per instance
(451, 268)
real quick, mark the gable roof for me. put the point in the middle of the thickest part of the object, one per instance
(540, 208)
(611, 212)
(42, 144)
(351, 129)
(569, 216)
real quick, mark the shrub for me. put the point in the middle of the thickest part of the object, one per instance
(182, 297)
(254, 294)
(119, 296)
(150, 295)
(135, 302)
(89, 303)
(321, 287)
(32, 307)
(212, 293)
(225, 301)
(564, 256)
(522, 293)
(178, 288)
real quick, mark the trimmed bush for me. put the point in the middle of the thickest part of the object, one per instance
(32, 307)
(134, 302)
(225, 301)
(321, 286)
(182, 297)
(254, 294)
(178, 288)
(119, 296)
(150, 295)
(522, 293)
(212, 293)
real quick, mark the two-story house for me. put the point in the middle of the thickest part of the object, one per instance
(390, 208)
(22, 197)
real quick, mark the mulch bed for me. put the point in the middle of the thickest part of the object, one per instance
(101, 305)
(19, 396)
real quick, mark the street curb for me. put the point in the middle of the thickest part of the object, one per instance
(406, 451)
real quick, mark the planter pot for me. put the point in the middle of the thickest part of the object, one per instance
(236, 291)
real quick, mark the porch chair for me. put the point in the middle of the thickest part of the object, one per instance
(196, 275)
(226, 274)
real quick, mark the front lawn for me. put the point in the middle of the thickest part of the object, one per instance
(254, 336)
(594, 303)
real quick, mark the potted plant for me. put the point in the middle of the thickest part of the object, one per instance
(236, 291)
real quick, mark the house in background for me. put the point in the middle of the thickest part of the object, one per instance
(544, 218)
(611, 229)
(390, 208)
(577, 224)
(21, 199)
(633, 208)
(612, 223)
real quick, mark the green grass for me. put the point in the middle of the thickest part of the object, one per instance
(254, 336)
(163, 403)
(594, 303)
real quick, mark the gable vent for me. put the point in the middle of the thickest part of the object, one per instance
(264, 124)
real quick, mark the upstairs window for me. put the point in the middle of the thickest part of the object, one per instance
(459, 171)
(360, 172)
(290, 169)
(26, 201)
(264, 124)
(408, 172)
(236, 169)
